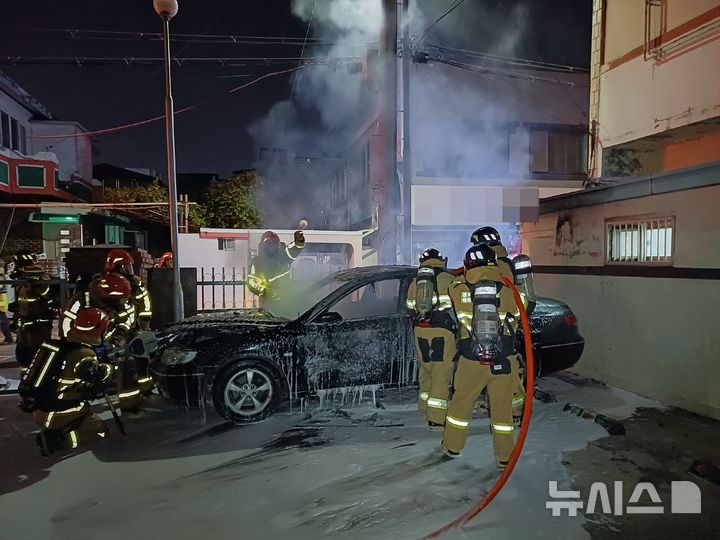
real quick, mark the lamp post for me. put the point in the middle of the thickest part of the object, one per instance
(167, 9)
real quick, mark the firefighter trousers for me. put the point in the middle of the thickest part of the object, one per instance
(78, 425)
(470, 380)
(128, 388)
(435, 350)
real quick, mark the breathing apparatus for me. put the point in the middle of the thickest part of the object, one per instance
(524, 276)
(426, 290)
(425, 295)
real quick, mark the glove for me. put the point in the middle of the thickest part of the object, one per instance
(299, 238)
(89, 371)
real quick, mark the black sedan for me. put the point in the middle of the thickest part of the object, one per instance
(342, 338)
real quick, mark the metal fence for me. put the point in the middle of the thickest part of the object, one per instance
(220, 288)
(223, 288)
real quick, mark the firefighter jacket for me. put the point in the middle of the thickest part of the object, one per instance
(33, 298)
(122, 316)
(62, 375)
(140, 301)
(504, 262)
(461, 297)
(269, 272)
(441, 316)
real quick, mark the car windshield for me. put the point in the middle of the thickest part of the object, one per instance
(293, 304)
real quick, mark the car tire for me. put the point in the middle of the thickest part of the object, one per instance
(245, 392)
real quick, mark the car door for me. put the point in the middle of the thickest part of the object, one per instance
(360, 339)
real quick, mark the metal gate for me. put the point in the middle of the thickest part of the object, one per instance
(223, 288)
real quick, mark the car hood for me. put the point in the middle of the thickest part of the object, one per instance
(208, 325)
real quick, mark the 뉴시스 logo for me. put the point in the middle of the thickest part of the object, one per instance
(684, 499)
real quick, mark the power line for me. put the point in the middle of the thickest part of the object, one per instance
(521, 62)
(188, 38)
(131, 125)
(432, 25)
(297, 77)
(178, 61)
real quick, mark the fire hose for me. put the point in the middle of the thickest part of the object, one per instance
(527, 412)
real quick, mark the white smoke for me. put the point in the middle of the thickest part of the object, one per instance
(455, 112)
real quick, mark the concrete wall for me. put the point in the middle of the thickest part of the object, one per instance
(650, 335)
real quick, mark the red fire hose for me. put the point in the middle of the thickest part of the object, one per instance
(527, 412)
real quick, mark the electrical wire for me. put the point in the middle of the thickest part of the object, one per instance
(297, 77)
(432, 25)
(179, 61)
(160, 117)
(523, 62)
(188, 38)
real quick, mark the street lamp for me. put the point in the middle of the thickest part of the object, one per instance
(167, 9)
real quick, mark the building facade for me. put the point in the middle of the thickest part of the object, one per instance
(637, 256)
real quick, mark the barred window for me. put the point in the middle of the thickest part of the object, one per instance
(641, 241)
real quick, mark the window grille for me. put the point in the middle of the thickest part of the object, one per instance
(643, 241)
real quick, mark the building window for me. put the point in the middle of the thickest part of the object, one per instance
(366, 163)
(4, 130)
(31, 176)
(338, 191)
(23, 140)
(643, 241)
(226, 244)
(4, 173)
(558, 151)
(14, 134)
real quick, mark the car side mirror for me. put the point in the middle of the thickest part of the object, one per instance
(329, 317)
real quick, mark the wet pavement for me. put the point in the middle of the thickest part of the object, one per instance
(353, 472)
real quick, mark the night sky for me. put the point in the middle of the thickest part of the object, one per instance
(213, 137)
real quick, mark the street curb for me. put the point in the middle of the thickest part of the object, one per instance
(613, 427)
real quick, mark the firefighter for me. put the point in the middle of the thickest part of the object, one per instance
(487, 316)
(435, 331)
(63, 376)
(165, 260)
(111, 293)
(120, 261)
(491, 237)
(270, 269)
(32, 308)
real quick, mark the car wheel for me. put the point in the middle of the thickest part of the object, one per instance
(246, 392)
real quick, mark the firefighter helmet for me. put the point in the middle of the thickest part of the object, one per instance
(112, 286)
(269, 241)
(430, 254)
(24, 257)
(165, 260)
(119, 260)
(269, 237)
(485, 235)
(479, 255)
(88, 327)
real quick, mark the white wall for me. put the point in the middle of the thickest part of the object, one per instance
(654, 336)
(74, 153)
(641, 97)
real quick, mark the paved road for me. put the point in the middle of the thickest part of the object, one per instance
(353, 472)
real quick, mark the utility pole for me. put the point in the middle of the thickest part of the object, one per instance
(387, 137)
(407, 247)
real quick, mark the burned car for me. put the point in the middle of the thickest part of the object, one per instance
(348, 334)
